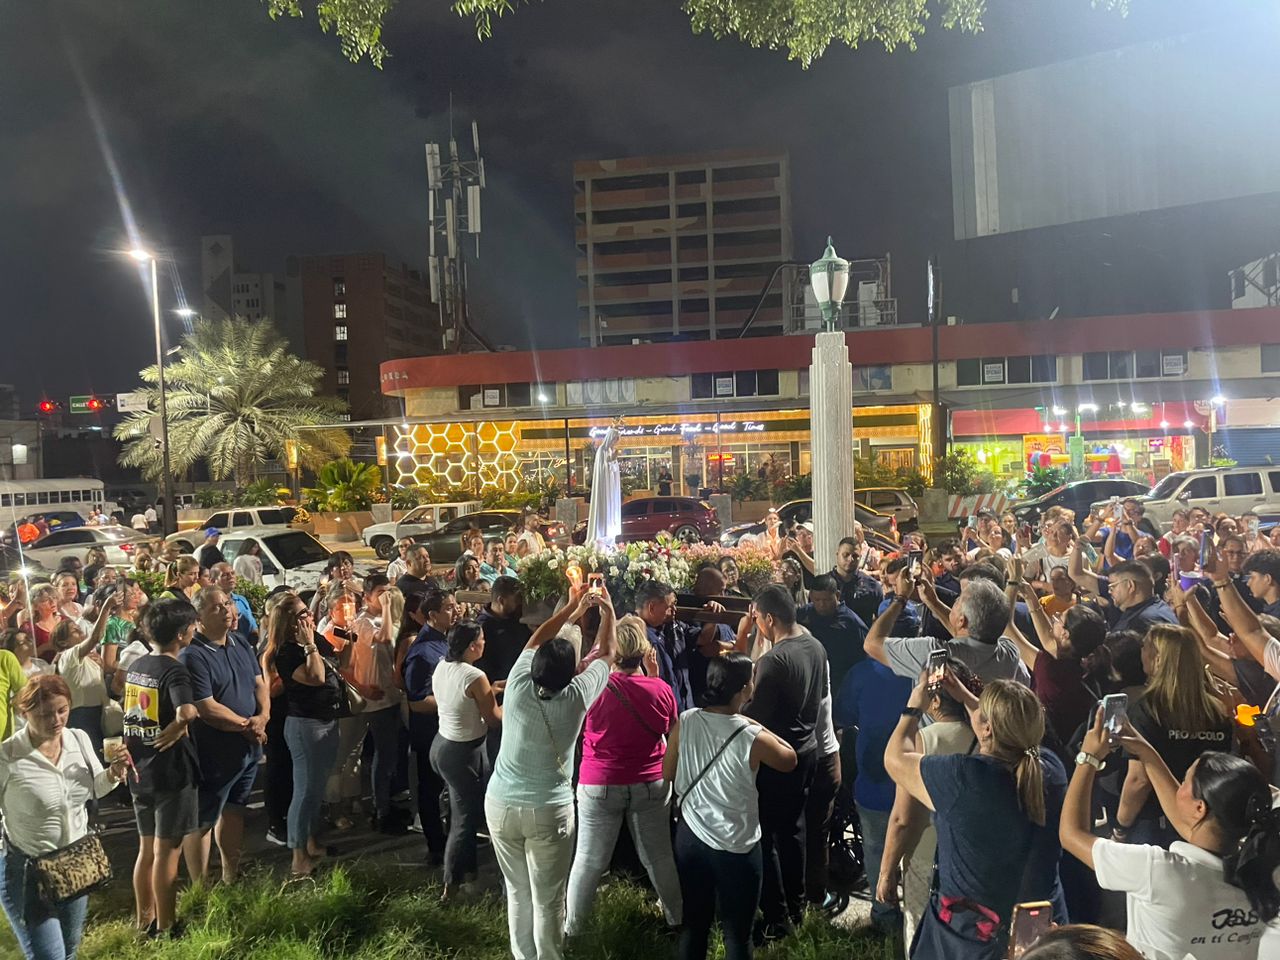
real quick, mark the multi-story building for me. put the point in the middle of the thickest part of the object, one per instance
(228, 290)
(681, 246)
(359, 311)
(710, 411)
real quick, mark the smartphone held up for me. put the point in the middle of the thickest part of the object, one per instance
(1031, 921)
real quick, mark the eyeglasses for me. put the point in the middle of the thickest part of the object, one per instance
(302, 614)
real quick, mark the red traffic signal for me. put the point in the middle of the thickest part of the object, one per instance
(95, 405)
(48, 407)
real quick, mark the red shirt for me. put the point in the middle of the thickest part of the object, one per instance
(1060, 686)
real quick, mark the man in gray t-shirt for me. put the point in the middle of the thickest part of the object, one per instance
(977, 622)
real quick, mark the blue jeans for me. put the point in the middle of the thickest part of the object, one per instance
(875, 825)
(313, 744)
(716, 885)
(43, 932)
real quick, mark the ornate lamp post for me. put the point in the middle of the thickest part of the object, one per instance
(829, 278)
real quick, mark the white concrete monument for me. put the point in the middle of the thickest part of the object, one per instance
(831, 414)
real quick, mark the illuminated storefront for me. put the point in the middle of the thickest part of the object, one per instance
(698, 450)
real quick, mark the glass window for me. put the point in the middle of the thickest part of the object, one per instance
(993, 370)
(1121, 364)
(662, 506)
(296, 549)
(218, 520)
(1095, 366)
(1274, 477)
(1018, 369)
(968, 373)
(1201, 488)
(1271, 358)
(340, 332)
(1146, 364)
(519, 395)
(271, 517)
(344, 377)
(745, 383)
(1044, 368)
(339, 287)
(1237, 284)
(873, 378)
(702, 386)
(1242, 484)
(636, 508)
(340, 311)
(766, 383)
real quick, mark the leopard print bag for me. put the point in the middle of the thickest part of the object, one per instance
(73, 870)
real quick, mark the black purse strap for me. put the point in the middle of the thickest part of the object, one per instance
(710, 763)
(626, 702)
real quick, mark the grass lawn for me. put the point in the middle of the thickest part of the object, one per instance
(367, 912)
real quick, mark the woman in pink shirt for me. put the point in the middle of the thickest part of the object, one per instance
(623, 743)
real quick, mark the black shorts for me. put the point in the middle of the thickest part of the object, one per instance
(168, 816)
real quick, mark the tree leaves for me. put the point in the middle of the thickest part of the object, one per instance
(804, 28)
(235, 397)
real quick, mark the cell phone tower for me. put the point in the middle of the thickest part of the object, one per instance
(453, 210)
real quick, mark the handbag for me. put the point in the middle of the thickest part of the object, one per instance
(74, 870)
(710, 763)
(356, 702)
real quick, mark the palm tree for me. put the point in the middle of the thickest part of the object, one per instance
(236, 397)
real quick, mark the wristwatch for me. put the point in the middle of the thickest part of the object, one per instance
(1088, 758)
(1221, 586)
(309, 649)
(914, 712)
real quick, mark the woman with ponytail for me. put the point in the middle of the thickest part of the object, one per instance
(1212, 894)
(712, 759)
(996, 814)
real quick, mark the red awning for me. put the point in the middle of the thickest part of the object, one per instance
(1024, 420)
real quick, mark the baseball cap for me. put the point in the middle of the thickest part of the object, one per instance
(212, 532)
(808, 525)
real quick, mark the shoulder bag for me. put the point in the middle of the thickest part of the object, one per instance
(630, 708)
(76, 869)
(710, 763)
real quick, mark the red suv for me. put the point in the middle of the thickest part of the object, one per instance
(683, 517)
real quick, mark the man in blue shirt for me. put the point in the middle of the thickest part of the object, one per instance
(234, 703)
(839, 630)
(871, 699)
(861, 593)
(656, 606)
(224, 577)
(425, 654)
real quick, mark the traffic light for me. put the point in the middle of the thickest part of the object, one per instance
(48, 408)
(95, 405)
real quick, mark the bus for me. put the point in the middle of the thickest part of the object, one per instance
(69, 502)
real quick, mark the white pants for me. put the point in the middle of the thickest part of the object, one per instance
(534, 847)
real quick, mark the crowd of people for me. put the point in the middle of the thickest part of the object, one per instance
(940, 702)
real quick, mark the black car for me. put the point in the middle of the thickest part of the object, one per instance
(880, 529)
(1077, 497)
(445, 543)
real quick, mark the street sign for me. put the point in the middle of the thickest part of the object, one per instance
(131, 402)
(86, 404)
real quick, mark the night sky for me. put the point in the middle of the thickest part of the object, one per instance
(219, 120)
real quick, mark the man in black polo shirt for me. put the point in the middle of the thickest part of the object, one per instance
(791, 682)
(505, 636)
(859, 592)
(1132, 605)
(418, 577)
(234, 703)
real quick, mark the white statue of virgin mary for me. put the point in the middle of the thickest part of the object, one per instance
(604, 516)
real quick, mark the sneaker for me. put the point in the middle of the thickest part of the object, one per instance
(277, 836)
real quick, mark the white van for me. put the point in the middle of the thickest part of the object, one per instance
(1231, 490)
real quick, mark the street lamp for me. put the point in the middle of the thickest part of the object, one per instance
(829, 278)
(168, 515)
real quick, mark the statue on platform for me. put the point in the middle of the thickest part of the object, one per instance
(604, 514)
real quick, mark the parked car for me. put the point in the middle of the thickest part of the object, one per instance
(56, 519)
(1233, 490)
(16, 563)
(1078, 497)
(192, 534)
(292, 558)
(445, 542)
(424, 519)
(685, 518)
(881, 529)
(894, 501)
(118, 543)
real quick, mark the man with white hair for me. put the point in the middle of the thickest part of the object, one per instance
(977, 623)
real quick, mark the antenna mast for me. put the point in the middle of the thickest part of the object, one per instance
(453, 211)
